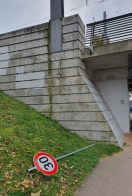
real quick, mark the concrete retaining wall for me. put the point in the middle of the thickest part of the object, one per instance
(58, 85)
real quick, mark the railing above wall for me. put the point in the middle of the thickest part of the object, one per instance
(109, 31)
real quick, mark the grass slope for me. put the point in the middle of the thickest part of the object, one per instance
(24, 132)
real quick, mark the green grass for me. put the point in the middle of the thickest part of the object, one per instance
(23, 133)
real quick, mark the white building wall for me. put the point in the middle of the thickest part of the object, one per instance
(115, 93)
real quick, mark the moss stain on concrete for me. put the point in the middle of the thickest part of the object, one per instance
(50, 74)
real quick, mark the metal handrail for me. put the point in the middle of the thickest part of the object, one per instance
(109, 30)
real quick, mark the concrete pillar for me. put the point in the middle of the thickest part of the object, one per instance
(56, 9)
(57, 13)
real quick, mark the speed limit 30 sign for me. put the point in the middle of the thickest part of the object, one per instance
(45, 163)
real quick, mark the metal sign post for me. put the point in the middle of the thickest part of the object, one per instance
(59, 158)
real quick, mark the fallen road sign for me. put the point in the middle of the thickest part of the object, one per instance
(47, 164)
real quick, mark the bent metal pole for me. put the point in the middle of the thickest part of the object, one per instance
(69, 154)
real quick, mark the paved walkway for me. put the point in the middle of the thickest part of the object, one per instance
(111, 177)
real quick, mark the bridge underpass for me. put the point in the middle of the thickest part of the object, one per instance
(109, 52)
(110, 65)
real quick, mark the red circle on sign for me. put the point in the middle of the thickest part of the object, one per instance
(49, 161)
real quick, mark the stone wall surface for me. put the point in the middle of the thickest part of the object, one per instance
(59, 85)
